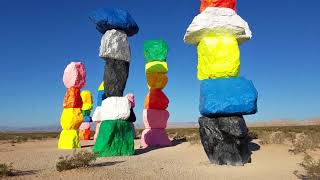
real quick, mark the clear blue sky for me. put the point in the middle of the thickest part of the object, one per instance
(39, 38)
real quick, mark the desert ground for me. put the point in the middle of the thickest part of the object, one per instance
(37, 160)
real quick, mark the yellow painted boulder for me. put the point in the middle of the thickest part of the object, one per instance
(218, 57)
(71, 118)
(69, 139)
(157, 80)
(101, 87)
(86, 100)
(156, 67)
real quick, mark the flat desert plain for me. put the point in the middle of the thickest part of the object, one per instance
(37, 160)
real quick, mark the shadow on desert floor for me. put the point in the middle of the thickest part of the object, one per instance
(175, 142)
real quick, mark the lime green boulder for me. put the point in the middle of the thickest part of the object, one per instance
(155, 50)
(116, 138)
(156, 67)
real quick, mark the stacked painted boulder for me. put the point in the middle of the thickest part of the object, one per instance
(155, 114)
(84, 129)
(74, 79)
(224, 97)
(116, 136)
(101, 97)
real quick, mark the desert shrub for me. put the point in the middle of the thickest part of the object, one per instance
(23, 137)
(253, 134)
(306, 142)
(311, 168)
(78, 160)
(6, 170)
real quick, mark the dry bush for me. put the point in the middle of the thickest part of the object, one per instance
(309, 141)
(311, 168)
(78, 160)
(6, 170)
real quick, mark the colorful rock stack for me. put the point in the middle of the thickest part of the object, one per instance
(116, 134)
(224, 97)
(155, 115)
(74, 79)
(101, 97)
(84, 129)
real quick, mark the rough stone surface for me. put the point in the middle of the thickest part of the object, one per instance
(86, 100)
(156, 119)
(156, 99)
(107, 19)
(155, 50)
(116, 73)
(157, 80)
(74, 75)
(116, 138)
(217, 21)
(71, 118)
(155, 138)
(218, 3)
(220, 140)
(156, 67)
(69, 139)
(115, 108)
(115, 45)
(72, 98)
(227, 97)
(218, 57)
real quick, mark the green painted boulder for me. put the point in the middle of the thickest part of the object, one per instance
(116, 138)
(155, 50)
(86, 112)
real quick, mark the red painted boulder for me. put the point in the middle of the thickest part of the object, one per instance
(156, 99)
(218, 3)
(156, 119)
(155, 138)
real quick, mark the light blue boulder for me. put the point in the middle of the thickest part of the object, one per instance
(227, 97)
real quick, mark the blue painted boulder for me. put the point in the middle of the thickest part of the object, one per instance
(87, 119)
(227, 97)
(101, 97)
(107, 19)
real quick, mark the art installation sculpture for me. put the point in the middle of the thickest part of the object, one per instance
(224, 97)
(116, 133)
(84, 129)
(155, 115)
(74, 79)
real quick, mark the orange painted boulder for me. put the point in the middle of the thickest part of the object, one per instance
(218, 3)
(156, 99)
(84, 134)
(157, 80)
(72, 99)
(156, 119)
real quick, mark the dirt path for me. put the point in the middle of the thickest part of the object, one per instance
(37, 160)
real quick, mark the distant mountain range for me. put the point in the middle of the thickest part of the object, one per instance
(281, 122)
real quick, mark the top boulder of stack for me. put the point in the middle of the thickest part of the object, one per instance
(155, 50)
(107, 19)
(215, 20)
(218, 3)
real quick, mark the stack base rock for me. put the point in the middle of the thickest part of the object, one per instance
(116, 138)
(155, 138)
(225, 140)
(69, 139)
(115, 77)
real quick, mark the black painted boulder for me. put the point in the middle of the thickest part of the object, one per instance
(116, 73)
(225, 140)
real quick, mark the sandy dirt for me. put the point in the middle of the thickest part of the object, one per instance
(36, 160)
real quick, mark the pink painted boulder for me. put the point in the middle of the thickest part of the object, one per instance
(155, 138)
(130, 97)
(84, 126)
(155, 119)
(74, 75)
(96, 133)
